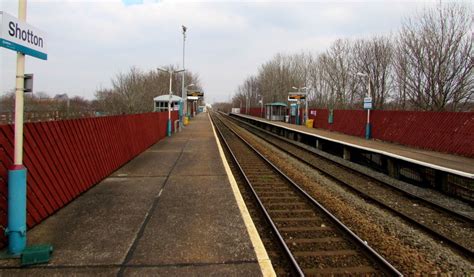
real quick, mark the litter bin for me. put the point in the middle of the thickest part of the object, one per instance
(309, 123)
(186, 121)
(287, 118)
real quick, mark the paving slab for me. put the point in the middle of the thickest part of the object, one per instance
(98, 227)
(202, 145)
(196, 222)
(149, 163)
(169, 145)
(199, 164)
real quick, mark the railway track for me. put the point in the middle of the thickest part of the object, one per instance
(450, 226)
(313, 239)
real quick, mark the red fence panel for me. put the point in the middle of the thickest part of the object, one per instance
(439, 131)
(259, 112)
(447, 132)
(66, 158)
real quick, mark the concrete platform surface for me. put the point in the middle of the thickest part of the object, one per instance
(449, 161)
(170, 211)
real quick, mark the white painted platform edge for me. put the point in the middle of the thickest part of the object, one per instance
(260, 251)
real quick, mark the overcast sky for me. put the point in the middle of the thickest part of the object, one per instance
(91, 41)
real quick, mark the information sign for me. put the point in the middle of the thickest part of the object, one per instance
(368, 103)
(296, 96)
(19, 36)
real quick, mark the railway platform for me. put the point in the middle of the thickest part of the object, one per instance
(396, 164)
(173, 210)
(451, 163)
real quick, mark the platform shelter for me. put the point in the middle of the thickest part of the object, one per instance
(161, 103)
(275, 111)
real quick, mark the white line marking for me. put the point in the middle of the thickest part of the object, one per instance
(262, 256)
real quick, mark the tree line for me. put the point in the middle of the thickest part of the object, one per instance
(131, 92)
(427, 65)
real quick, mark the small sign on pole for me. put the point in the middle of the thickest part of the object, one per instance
(368, 103)
(28, 83)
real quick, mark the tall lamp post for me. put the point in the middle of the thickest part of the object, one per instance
(306, 105)
(183, 92)
(367, 104)
(169, 101)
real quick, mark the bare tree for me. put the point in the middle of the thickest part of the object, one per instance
(133, 92)
(429, 66)
(321, 88)
(336, 65)
(434, 62)
(374, 58)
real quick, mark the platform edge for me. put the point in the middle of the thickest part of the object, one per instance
(260, 251)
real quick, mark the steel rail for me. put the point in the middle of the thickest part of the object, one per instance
(281, 241)
(381, 261)
(304, 147)
(453, 243)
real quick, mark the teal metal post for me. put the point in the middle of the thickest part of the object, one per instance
(181, 112)
(331, 116)
(368, 131)
(168, 132)
(297, 121)
(16, 227)
(368, 127)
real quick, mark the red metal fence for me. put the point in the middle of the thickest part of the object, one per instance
(66, 158)
(447, 132)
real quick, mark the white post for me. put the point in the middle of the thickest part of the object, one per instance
(369, 92)
(169, 104)
(306, 107)
(169, 101)
(19, 101)
(16, 200)
(183, 93)
(368, 127)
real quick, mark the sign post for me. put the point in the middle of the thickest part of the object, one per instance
(17, 35)
(368, 107)
(297, 97)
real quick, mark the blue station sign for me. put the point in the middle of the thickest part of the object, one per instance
(19, 36)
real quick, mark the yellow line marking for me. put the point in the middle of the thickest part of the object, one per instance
(262, 256)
